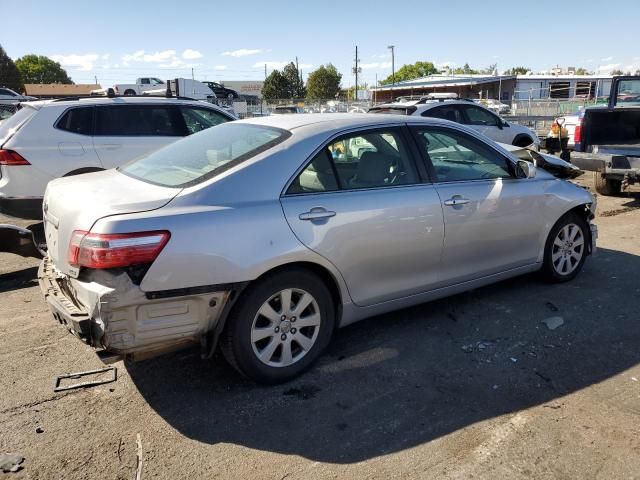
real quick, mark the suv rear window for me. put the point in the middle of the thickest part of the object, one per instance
(77, 120)
(204, 155)
(139, 120)
(12, 124)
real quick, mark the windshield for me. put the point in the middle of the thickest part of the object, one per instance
(204, 155)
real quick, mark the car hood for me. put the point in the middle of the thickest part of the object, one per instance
(76, 203)
(550, 163)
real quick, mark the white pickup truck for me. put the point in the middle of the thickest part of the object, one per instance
(142, 84)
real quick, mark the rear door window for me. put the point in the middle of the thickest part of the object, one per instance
(197, 119)
(77, 120)
(139, 120)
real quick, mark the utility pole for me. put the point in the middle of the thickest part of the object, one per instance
(297, 78)
(95, 77)
(356, 69)
(192, 77)
(393, 68)
(265, 71)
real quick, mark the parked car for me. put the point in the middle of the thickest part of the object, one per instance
(221, 91)
(50, 139)
(269, 233)
(468, 113)
(607, 139)
(494, 105)
(9, 96)
(286, 110)
(142, 85)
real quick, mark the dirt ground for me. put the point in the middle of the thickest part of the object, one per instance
(474, 386)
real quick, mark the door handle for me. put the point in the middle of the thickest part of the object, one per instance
(316, 213)
(456, 200)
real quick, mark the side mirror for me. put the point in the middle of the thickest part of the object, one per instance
(525, 169)
(505, 124)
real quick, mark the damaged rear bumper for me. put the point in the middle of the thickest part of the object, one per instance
(106, 310)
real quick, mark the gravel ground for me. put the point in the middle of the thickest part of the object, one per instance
(471, 386)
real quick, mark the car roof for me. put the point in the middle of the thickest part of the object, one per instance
(334, 121)
(101, 100)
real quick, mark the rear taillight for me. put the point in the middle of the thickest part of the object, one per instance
(9, 157)
(112, 250)
(577, 134)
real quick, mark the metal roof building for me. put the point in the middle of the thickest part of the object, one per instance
(503, 87)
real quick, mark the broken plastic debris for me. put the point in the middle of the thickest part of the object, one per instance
(553, 322)
(514, 360)
(10, 462)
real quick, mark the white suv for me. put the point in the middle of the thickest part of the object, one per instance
(51, 139)
(467, 112)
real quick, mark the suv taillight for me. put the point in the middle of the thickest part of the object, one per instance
(577, 134)
(100, 250)
(9, 157)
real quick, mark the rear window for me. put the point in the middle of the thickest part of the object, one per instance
(393, 110)
(77, 120)
(204, 155)
(139, 120)
(12, 124)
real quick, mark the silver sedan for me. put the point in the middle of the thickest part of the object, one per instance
(263, 236)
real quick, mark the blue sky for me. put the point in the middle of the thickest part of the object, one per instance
(118, 41)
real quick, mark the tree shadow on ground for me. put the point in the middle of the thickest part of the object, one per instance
(402, 379)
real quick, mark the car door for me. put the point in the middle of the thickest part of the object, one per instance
(127, 131)
(449, 112)
(74, 142)
(362, 205)
(485, 122)
(492, 219)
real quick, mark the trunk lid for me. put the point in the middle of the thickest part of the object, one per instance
(76, 203)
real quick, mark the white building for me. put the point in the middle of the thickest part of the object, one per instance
(561, 86)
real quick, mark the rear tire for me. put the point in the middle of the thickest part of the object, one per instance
(566, 249)
(279, 326)
(128, 93)
(606, 186)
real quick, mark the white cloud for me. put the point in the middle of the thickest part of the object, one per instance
(157, 57)
(271, 65)
(606, 59)
(608, 68)
(105, 56)
(80, 62)
(190, 54)
(220, 67)
(243, 52)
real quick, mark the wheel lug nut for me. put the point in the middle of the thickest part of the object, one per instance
(293, 331)
(283, 336)
(283, 318)
(293, 319)
(277, 329)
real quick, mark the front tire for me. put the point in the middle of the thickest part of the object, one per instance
(279, 326)
(566, 249)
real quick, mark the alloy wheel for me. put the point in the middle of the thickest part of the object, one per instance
(285, 328)
(568, 249)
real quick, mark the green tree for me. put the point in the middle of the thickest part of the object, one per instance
(517, 71)
(294, 81)
(275, 86)
(465, 70)
(41, 69)
(323, 83)
(409, 72)
(9, 74)
(617, 72)
(581, 71)
(489, 70)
